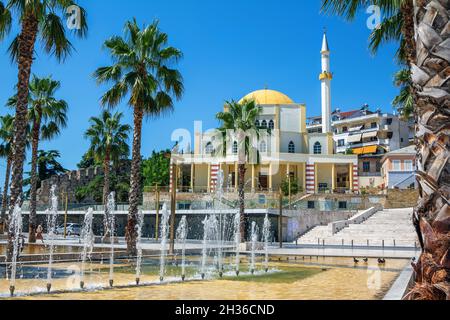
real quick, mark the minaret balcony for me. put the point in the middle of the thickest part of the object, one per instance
(326, 75)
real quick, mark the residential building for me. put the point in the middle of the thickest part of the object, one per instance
(369, 135)
(399, 169)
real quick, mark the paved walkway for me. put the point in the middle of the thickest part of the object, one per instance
(346, 252)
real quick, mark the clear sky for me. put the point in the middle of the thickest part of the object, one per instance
(230, 48)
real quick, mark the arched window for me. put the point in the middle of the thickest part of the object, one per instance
(291, 148)
(263, 147)
(209, 148)
(317, 148)
(271, 125)
(264, 124)
(257, 123)
(235, 147)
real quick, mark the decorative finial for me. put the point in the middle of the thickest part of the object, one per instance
(325, 30)
(266, 87)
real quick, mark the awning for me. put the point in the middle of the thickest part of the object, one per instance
(365, 150)
(372, 134)
(355, 138)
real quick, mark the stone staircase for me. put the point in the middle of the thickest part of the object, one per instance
(389, 228)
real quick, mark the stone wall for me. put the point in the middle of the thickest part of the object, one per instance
(68, 183)
(300, 222)
(73, 180)
(401, 198)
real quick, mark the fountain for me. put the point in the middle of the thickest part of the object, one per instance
(139, 228)
(15, 231)
(210, 228)
(87, 238)
(254, 238)
(52, 216)
(221, 221)
(237, 240)
(111, 207)
(266, 236)
(204, 246)
(181, 237)
(165, 215)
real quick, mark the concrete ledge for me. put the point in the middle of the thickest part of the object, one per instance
(400, 287)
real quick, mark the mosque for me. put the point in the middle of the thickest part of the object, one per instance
(288, 151)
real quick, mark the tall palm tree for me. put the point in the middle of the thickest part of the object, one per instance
(430, 77)
(47, 116)
(240, 119)
(108, 138)
(425, 47)
(143, 71)
(38, 20)
(6, 136)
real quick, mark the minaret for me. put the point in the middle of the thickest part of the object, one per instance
(325, 78)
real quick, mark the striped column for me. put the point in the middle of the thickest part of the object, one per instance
(355, 178)
(213, 177)
(310, 178)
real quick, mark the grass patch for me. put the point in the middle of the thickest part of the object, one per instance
(286, 275)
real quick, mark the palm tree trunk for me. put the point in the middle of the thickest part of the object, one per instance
(135, 183)
(106, 169)
(33, 191)
(407, 10)
(241, 192)
(27, 40)
(432, 215)
(5, 194)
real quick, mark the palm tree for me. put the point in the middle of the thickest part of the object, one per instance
(143, 71)
(240, 119)
(6, 135)
(48, 164)
(39, 20)
(47, 116)
(432, 215)
(404, 102)
(108, 138)
(425, 50)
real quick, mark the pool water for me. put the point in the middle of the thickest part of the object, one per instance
(308, 279)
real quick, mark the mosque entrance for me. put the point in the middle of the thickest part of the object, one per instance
(263, 182)
(342, 178)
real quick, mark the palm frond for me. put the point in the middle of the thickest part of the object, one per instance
(390, 29)
(5, 20)
(54, 37)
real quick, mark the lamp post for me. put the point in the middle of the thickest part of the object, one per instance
(173, 209)
(173, 196)
(280, 219)
(157, 213)
(65, 215)
(290, 193)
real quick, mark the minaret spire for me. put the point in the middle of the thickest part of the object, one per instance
(325, 78)
(325, 47)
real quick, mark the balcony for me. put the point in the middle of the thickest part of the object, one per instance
(370, 174)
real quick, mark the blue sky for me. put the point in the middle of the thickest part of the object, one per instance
(230, 48)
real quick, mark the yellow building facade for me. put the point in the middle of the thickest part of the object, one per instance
(287, 153)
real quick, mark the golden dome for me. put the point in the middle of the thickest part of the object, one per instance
(267, 96)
